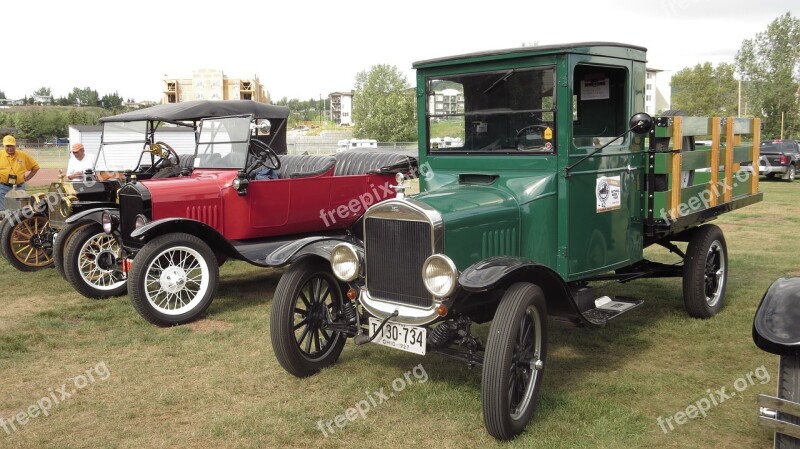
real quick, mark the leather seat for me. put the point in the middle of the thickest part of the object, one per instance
(362, 162)
(302, 165)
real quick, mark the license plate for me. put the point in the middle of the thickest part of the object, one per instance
(399, 336)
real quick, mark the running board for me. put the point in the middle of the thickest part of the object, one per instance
(601, 310)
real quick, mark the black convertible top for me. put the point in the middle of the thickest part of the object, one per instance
(200, 109)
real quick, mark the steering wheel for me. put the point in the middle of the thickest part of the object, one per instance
(165, 153)
(266, 157)
(524, 130)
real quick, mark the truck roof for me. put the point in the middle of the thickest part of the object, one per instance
(613, 49)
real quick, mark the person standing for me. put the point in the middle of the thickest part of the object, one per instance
(16, 168)
(78, 162)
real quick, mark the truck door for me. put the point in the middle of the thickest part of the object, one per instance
(603, 204)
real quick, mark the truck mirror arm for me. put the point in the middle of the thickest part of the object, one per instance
(640, 123)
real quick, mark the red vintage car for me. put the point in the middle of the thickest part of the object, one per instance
(241, 199)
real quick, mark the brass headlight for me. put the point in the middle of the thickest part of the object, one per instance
(65, 207)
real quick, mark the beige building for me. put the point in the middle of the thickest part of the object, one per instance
(212, 84)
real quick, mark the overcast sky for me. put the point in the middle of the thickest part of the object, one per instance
(311, 48)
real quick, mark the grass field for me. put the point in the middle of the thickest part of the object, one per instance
(216, 383)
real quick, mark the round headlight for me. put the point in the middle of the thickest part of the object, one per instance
(345, 262)
(237, 183)
(65, 207)
(440, 275)
(108, 224)
(141, 220)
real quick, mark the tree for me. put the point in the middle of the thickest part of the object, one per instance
(705, 90)
(111, 101)
(2, 95)
(83, 97)
(383, 107)
(42, 92)
(770, 66)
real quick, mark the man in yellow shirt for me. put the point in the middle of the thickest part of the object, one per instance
(16, 168)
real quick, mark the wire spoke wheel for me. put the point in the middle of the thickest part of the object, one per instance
(97, 262)
(176, 280)
(173, 279)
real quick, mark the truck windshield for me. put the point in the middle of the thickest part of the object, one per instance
(507, 111)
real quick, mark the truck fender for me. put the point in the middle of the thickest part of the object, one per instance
(776, 326)
(499, 271)
(92, 214)
(320, 246)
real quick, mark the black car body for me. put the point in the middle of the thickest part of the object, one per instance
(778, 157)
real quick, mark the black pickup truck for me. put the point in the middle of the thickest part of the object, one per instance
(778, 157)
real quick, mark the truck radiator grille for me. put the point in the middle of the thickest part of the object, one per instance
(395, 251)
(205, 214)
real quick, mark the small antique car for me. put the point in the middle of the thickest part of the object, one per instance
(549, 194)
(776, 329)
(242, 197)
(28, 235)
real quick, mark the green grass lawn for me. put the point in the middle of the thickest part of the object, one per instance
(216, 383)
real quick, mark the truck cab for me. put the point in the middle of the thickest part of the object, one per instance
(558, 183)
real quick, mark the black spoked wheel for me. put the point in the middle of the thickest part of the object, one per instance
(173, 279)
(705, 272)
(514, 360)
(307, 299)
(789, 389)
(26, 240)
(90, 263)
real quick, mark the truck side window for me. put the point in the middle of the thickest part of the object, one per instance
(599, 104)
(504, 111)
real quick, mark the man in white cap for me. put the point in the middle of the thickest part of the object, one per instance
(16, 168)
(78, 162)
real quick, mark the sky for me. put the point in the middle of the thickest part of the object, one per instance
(309, 49)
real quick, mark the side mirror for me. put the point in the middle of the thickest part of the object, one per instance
(261, 126)
(641, 123)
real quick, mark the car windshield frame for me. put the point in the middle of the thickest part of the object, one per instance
(223, 142)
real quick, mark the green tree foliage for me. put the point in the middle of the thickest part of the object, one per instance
(43, 91)
(2, 95)
(705, 90)
(770, 65)
(383, 107)
(111, 101)
(83, 97)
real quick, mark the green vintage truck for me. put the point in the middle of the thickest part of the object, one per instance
(552, 180)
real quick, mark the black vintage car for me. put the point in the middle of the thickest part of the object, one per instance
(28, 234)
(776, 329)
(65, 221)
